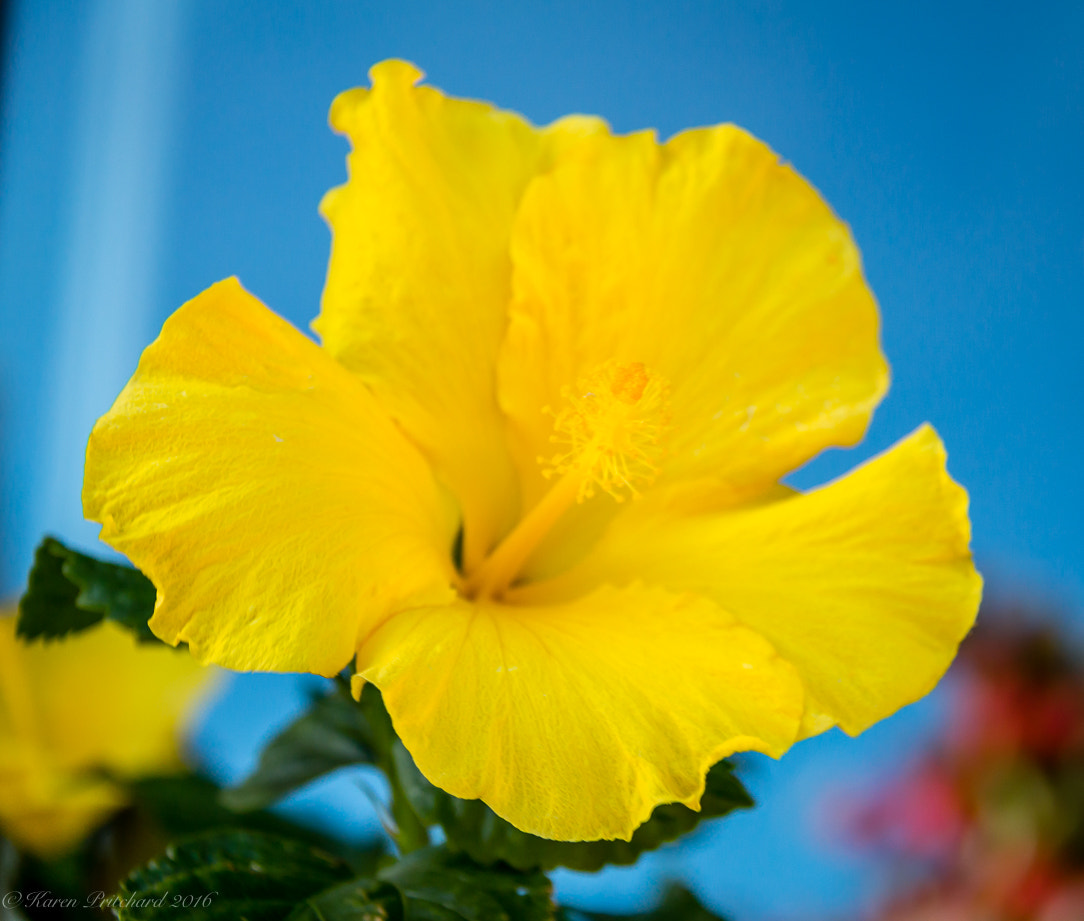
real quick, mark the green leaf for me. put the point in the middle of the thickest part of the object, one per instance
(472, 827)
(189, 804)
(435, 885)
(678, 904)
(185, 804)
(411, 826)
(69, 591)
(358, 900)
(333, 733)
(226, 876)
(49, 609)
(438, 885)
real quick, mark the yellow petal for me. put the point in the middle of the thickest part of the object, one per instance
(275, 507)
(94, 700)
(574, 721)
(418, 281)
(866, 585)
(716, 267)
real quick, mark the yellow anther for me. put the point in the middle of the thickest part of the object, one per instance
(612, 430)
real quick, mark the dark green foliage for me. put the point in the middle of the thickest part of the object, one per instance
(242, 863)
(439, 885)
(189, 804)
(332, 734)
(228, 876)
(471, 826)
(678, 904)
(434, 885)
(363, 899)
(249, 876)
(337, 731)
(68, 591)
(49, 608)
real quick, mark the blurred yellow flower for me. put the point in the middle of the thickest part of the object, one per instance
(522, 328)
(72, 708)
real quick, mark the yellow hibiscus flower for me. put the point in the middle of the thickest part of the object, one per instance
(70, 709)
(522, 328)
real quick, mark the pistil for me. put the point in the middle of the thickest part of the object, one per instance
(611, 431)
(501, 567)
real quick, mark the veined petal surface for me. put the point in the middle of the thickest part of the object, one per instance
(278, 511)
(866, 585)
(96, 699)
(717, 267)
(419, 277)
(573, 721)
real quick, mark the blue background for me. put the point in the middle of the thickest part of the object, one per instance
(148, 149)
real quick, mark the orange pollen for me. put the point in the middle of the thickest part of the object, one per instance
(629, 382)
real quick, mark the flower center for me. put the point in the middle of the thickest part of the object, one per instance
(611, 430)
(610, 433)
